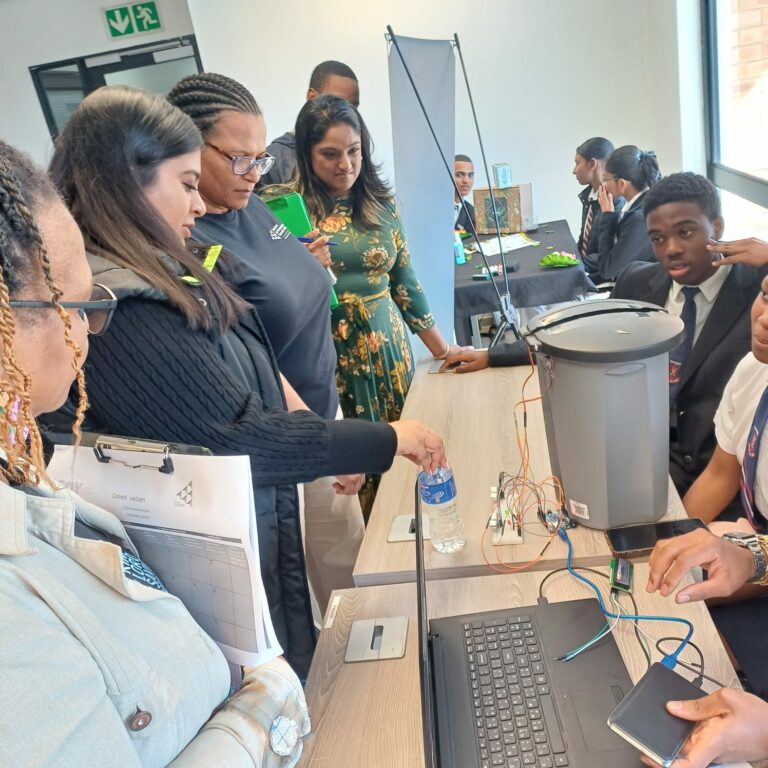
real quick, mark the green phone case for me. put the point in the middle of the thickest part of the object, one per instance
(292, 211)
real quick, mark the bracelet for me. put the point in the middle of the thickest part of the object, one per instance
(763, 542)
(445, 353)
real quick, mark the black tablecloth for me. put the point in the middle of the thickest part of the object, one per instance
(529, 286)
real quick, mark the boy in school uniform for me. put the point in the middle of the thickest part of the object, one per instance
(332, 77)
(682, 213)
(464, 174)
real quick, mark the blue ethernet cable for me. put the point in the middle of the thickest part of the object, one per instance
(670, 660)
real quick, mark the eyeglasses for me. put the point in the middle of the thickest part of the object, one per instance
(98, 310)
(242, 164)
(606, 179)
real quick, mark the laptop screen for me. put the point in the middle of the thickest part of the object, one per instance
(425, 669)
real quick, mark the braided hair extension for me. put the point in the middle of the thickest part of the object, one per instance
(206, 95)
(22, 189)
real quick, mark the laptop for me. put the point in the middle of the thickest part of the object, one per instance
(492, 693)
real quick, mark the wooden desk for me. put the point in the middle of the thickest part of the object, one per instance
(369, 714)
(473, 413)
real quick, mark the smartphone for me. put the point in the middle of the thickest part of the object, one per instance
(641, 539)
(438, 364)
(642, 718)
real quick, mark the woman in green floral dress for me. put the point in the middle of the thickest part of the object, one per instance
(377, 287)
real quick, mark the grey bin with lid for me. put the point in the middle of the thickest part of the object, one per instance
(604, 374)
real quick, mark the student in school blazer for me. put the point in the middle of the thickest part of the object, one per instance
(722, 342)
(620, 240)
(586, 204)
(463, 221)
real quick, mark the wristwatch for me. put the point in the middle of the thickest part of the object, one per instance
(750, 541)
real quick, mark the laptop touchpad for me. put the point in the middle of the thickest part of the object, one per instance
(592, 711)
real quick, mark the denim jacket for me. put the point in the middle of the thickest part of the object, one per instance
(100, 670)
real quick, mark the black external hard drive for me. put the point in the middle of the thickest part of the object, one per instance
(642, 718)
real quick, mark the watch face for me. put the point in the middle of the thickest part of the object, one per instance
(739, 535)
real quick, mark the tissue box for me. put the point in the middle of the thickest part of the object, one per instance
(514, 207)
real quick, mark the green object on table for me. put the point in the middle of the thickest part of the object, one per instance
(557, 259)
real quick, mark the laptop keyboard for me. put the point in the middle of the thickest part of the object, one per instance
(514, 714)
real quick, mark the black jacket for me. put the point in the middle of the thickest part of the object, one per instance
(283, 149)
(150, 376)
(723, 341)
(509, 353)
(619, 243)
(462, 222)
(586, 204)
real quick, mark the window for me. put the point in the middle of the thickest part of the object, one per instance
(737, 104)
(62, 85)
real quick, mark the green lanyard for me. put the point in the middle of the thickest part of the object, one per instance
(209, 262)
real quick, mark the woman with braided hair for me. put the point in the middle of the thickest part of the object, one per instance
(288, 285)
(185, 359)
(99, 665)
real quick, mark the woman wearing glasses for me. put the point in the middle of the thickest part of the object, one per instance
(100, 664)
(289, 286)
(186, 359)
(622, 236)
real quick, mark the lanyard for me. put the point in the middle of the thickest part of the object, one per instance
(749, 466)
(209, 262)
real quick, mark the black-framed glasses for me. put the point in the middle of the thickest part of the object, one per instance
(242, 164)
(98, 309)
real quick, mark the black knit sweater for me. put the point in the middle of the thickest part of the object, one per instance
(150, 376)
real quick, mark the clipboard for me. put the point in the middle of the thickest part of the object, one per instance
(191, 517)
(104, 443)
(292, 211)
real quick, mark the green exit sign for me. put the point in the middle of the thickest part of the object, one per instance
(133, 19)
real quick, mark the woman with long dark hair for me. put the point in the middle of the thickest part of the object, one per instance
(377, 286)
(186, 360)
(622, 236)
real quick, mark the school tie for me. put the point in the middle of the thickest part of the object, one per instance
(587, 230)
(680, 353)
(749, 466)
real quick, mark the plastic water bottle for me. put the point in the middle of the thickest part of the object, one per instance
(438, 496)
(458, 249)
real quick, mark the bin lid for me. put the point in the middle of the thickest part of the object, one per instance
(605, 330)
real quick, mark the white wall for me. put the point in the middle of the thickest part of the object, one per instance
(546, 74)
(36, 32)
(537, 92)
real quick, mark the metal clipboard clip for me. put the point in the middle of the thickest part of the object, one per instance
(158, 448)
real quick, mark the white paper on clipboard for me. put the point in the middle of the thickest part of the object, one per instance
(196, 528)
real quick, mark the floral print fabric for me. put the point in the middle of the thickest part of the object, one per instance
(377, 290)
